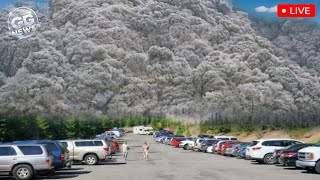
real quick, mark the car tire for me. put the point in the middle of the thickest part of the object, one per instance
(267, 159)
(91, 159)
(185, 147)
(317, 168)
(23, 172)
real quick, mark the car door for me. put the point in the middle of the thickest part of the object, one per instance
(7, 156)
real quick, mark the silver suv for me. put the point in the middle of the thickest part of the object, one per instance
(24, 161)
(89, 151)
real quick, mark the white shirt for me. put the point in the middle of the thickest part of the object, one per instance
(124, 147)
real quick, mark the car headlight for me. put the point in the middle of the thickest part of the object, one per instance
(309, 156)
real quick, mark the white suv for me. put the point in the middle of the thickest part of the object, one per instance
(262, 150)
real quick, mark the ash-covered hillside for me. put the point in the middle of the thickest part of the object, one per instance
(195, 59)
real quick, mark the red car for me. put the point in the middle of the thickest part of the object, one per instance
(219, 151)
(176, 141)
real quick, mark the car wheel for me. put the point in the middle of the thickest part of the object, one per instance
(310, 170)
(185, 147)
(22, 172)
(318, 167)
(268, 159)
(91, 159)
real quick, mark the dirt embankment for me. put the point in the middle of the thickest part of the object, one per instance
(307, 136)
(312, 136)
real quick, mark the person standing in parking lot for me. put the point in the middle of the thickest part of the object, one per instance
(145, 149)
(125, 149)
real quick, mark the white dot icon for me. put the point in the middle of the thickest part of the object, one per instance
(284, 10)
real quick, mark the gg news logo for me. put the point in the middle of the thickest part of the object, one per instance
(23, 22)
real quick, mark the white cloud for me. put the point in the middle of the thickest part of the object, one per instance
(273, 9)
(265, 9)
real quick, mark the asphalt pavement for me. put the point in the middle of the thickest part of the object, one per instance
(168, 163)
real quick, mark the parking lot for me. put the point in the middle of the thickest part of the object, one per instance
(171, 163)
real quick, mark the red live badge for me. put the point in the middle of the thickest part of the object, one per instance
(296, 10)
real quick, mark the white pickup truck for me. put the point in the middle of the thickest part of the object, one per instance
(309, 158)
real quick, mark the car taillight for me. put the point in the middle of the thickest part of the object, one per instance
(62, 157)
(237, 149)
(279, 152)
(47, 161)
(106, 149)
(289, 154)
(256, 148)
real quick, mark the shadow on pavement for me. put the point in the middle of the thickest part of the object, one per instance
(291, 168)
(111, 163)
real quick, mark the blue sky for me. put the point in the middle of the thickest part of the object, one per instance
(250, 5)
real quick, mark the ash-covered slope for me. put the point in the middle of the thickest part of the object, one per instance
(190, 58)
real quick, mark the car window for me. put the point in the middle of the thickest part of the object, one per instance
(233, 139)
(253, 143)
(224, 139)
(84, 143)
(31, 150)
(62, 147)
(52, 146)
(7, 151)
(65, 144)
(98, 143)
(289, 143)
(273, 143)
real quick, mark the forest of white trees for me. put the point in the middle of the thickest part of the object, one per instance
(194, 59)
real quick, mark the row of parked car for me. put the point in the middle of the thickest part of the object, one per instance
(287, 152)
(25, 159)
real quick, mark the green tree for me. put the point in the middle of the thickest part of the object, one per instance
(70, 127)
(43, 126)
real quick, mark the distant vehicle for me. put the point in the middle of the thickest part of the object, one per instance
(240, 149)
(142, 130)
(196, 145)
(205, 136)
(207, 143)
(184, 144)
(168, 140)
(88, 151)
(309, 158)
(162, 133)
(262, 150)
(59, 152)
(176, 141)
(227, 148)
(219, 148)
(289, 155)
(23, 161)
(225, 138)
(210, 149)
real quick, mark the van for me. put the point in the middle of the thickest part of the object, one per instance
(226, 138)
(88, 151)
(142, 130)
(138, 130)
